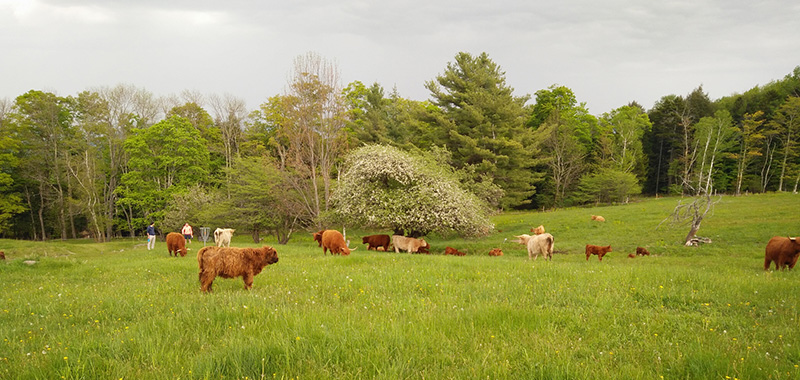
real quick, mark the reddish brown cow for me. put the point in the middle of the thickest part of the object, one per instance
(333, 240)
(426, 249)
(631, 256)
(227, 262)
(176, 243)
(376, 241)
(496, 252)
(597, 250)
(783, 251)
(2, 255)
(538, 230)
(453, 251)
(642, 251)
(318, 237)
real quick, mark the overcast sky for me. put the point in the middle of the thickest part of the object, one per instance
(608, 52)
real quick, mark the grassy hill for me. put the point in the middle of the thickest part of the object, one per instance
(116, 310)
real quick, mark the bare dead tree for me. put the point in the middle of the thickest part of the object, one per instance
(692, 214)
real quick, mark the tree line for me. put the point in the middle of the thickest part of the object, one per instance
(108, 161)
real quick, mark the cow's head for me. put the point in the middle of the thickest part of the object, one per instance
(267, 254)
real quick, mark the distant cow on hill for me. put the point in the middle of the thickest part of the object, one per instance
(597, 250)
(176, 243)
(783, 251)
(376, 241)
(538, 230)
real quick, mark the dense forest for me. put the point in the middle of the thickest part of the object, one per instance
(108, 161)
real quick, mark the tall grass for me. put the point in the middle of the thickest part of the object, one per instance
(116, 310)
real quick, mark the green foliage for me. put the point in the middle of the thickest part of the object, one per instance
(384, 187)
(624, 128)
(609, 185)
(481, 122)
(10, 200)
(165, 158)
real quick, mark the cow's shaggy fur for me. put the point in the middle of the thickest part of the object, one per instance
(540, 244)
(176, 243)
(227, 262)
(222, 236)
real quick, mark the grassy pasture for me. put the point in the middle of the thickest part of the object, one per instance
(115, 310)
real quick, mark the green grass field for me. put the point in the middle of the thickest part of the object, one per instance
(115, 310)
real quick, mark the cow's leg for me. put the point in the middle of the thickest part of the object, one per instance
(248, 280)
(768, 262)
(206, 280)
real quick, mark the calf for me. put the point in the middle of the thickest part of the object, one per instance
(453, 251)
(496, 252)
(642, 251)
(538, 230)
(783, 251)
(598, 218)
(597, 250)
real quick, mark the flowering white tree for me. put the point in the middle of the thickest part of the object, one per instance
(384, 187)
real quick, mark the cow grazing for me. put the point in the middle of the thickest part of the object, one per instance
(176, 243)
(333, 240)
(642, 251)
(318, 237)
(496, 252)
(376, 241)
(597, 250)
(227, 262)
(598, 218)
(453, 251)
(222, 236)
(538, 230)
(540, 244)
(783, 251)
(412, 245)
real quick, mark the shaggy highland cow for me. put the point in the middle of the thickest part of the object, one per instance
(176, 243)
(222, 236)
(229, 262)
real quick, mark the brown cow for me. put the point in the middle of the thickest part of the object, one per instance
(598, 218)
(453, 251)
(318, 237)
(333, 240)
(176, 243)
(496, 252)
(408, 244)
(2, 255)
(631, 256)
(229, 262)
(376, 241)
(783, 251)
(538, 230)
(426, 249)
(642, 251)
(597, 250)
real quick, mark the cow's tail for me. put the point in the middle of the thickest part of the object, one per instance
(550, 243)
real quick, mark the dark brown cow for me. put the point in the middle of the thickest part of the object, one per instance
(2, 255)
(231, 262)
(176, 243)
(597, 250)
(783, 251)
(642, 251)
(376, 241)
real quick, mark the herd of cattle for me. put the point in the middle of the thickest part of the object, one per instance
(225, 261)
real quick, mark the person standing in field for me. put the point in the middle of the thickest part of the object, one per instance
(151, 236)
(187, 233)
